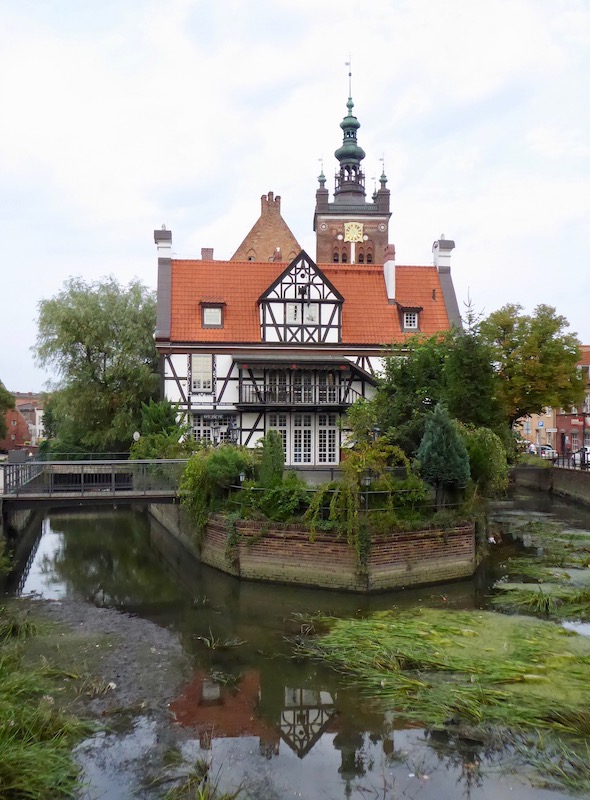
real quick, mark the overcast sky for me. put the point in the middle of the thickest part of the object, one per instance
(124, 115)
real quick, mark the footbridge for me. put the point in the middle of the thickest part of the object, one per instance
(63, 483)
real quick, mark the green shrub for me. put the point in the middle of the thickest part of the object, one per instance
(282, 501)
(207, 478)
(487, 460)
(272, 460)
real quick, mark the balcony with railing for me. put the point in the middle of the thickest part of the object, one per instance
(311, 394)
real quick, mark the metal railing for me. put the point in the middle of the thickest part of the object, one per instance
(93, 478)
(573, 461)
(309, 394)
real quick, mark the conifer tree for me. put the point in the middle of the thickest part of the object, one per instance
(444, 462)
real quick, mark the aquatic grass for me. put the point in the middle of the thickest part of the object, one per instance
(534, 570)
(445, 668)
(36, 735)
(217, 643)
(554, 601)
(197, 784)
(15, 625)
(556, 764)
(553, 582)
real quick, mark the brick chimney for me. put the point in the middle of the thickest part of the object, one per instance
(206, 253)
(270, 204)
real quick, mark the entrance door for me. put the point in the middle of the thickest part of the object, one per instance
(302, 430)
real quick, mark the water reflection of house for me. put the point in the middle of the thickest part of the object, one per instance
(219, 711)
(306, 715)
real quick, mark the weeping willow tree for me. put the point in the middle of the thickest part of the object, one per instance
(370, 463)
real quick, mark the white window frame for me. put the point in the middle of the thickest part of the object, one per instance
(279, 421)
(212, 317)
(302, 427)
(202, 428)
(311, 313)
(327, 440)
(411, 320)
(201, 374)
(302, 313)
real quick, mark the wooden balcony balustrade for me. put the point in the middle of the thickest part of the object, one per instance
(310, 394)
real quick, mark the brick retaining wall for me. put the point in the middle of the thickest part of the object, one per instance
(284, 554)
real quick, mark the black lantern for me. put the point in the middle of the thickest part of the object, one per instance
(233, 432)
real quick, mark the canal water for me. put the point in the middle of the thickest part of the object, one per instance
(277, 727)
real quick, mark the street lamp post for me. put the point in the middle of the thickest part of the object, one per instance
(367, 483)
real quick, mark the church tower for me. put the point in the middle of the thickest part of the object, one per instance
(351, 230)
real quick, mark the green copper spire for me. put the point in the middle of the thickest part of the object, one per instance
(350, 150)
(350, 178)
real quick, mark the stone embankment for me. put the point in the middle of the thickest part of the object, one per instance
(572, 483)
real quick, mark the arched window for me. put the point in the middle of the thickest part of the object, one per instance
(361, 258)
(335, 257)
(344, 258)
(369, 258)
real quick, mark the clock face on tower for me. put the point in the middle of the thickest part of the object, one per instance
(353, 232)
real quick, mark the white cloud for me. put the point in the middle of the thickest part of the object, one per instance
(127, 116)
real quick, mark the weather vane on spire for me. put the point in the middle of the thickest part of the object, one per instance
(349, 65)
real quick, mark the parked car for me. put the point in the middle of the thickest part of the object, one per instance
(577, 456)
(546, 451)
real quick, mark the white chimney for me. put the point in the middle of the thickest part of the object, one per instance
(163, 240)
(389, 272)
(441, 251)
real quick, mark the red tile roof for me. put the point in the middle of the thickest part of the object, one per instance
(367, 318)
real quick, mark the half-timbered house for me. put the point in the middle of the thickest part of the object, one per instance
(252, 345)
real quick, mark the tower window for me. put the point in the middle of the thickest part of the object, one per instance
(344, 258)
(335, 258)
(369, 258)
(361, 258)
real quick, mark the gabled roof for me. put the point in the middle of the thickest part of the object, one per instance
(368, 317)
(302, 261)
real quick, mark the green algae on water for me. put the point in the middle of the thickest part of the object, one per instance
(466, 668)
(554, 582)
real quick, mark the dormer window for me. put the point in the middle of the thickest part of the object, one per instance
(212, 314)
(410, 320)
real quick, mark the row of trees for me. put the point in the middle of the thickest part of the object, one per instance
(6, 403)
(489, 375)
